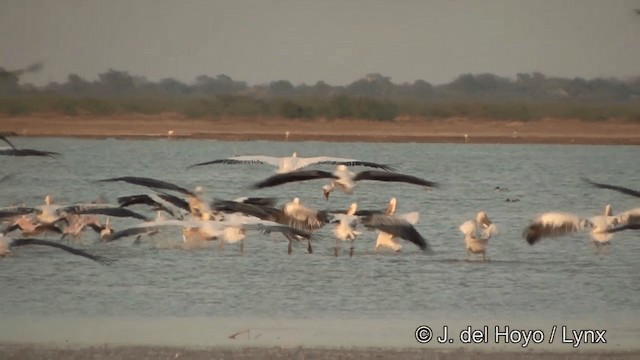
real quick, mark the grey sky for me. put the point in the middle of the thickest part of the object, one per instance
(335, 41)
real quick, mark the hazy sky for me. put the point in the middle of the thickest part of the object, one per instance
(309, 40)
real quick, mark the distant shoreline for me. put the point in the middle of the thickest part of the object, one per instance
(453, 130)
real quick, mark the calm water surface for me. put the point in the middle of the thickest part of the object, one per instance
(557, 279)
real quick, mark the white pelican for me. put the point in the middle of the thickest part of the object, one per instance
(627, 220)
(553, 224)
(78, 223)
(345, 229)
(7, 243)
(14, 151)
(29, 227)
(477, 234)
(293, 162)
(344, 179)
(292, 214)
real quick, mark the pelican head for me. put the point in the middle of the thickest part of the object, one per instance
(483, 219)
(198, 190)
(341, 168)
(295, 154)
(608, 211)
(326, 190)
(352, 209)
(391, 208)
(48, 200)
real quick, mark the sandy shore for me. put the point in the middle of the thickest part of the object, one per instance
(548, 131)
(26, 351)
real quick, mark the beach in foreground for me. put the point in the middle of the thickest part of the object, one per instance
(548, 131)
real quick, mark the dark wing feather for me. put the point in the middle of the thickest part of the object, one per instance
(300, 175)
(112, 211)
(69, 249)
(16, 212)
(357, 163)
(623, 228)
(394, 177)
(621, 189)
(131, 231)
(150, 183)
(396, 227)
(3, 138)
(279, 228)
(227, 161)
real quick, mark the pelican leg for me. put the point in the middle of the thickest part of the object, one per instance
(335, 249)
(290, 248)
(220, 245)
(351, 249)
(309, 248)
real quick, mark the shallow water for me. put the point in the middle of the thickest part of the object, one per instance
(553, 281)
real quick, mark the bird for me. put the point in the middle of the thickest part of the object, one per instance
(343, 179)
(345, 229)
(14, 151)
(292, 163)
(477, 234)
(7, 243)
(296, 216)
(627, 220)
(554, 224)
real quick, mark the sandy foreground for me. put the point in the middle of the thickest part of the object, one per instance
(555, 131)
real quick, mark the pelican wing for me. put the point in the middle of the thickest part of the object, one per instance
(260, 201)
(468, 228)
(11, 212)
(551, 225)
(299, 175)
(398, 228)
(146, 228)
(69, 249)
(159, 201)
(112, 211)
(28, 152)
(622, 228)
(150, 183)
(620, 189)
(326, 160)
(490, 231)
(393, 177)
(3, 138)
(249, 159)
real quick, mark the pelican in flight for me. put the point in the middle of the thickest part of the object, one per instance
(6, 244)
(345, 229)
(554, 224)
(292, 163)
(477, 234)
(343, 179)
(14, 151)
(617, 188)
(391, 226)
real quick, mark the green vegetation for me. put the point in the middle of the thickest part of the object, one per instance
(528, 97)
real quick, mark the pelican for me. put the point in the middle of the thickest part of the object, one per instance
(7, 243)
(554, 224)
(343, 179)
(292, 214)
(345, 229)
(477, 234)
(293, 162)
(627, 220)
(28, 227)
(14, 151)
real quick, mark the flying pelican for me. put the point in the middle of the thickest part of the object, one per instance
(345, 229)
(627, 220)
(28, 227)
(554, 224)
(344, 179)
(293, 162)
(14, 151)
(477, 234)
(7, 243)
(295, 215)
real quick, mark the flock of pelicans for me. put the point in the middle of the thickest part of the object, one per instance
(227, 221)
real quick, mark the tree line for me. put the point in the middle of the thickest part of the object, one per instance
(528, 96)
